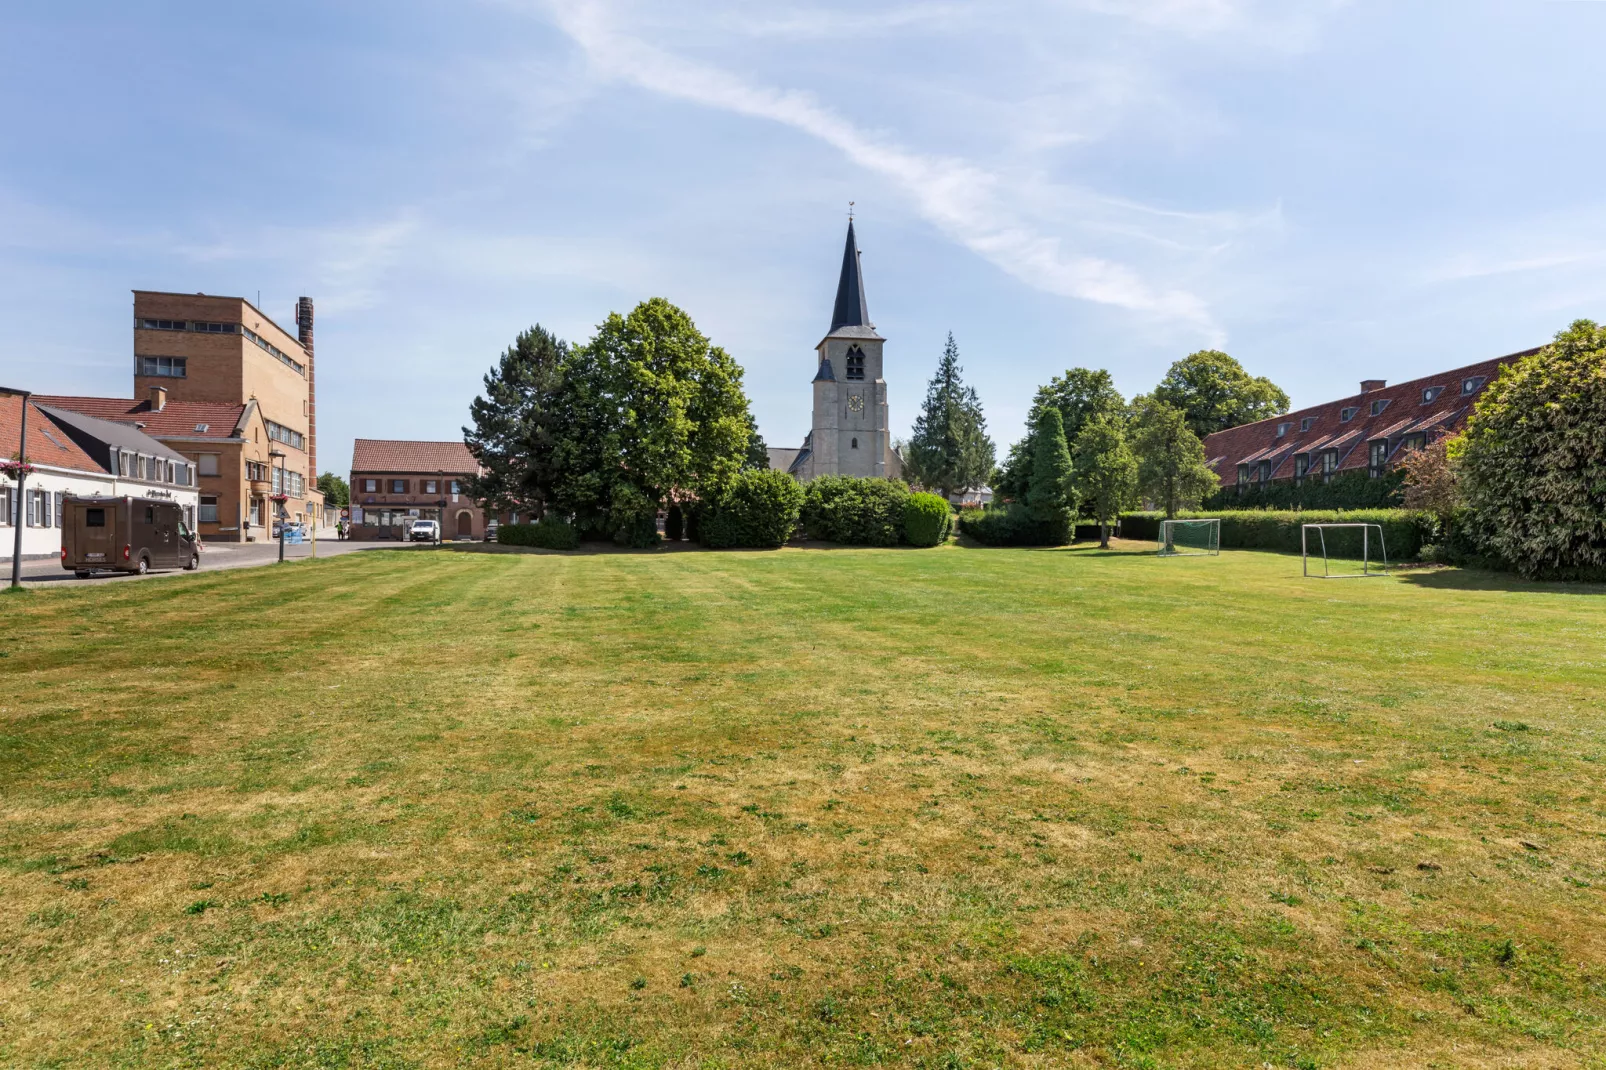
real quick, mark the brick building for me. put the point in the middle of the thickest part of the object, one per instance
(1366, 432)
(221, 383)
(394, 482)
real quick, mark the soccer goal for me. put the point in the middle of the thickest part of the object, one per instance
(1190, 538)
(1349, 542)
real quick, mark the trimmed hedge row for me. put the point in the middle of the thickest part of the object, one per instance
(759, 509)
(1350, 490)
(855, 511)
(928, 520)
(1405, 532)
(549, 533)
(1012, 525)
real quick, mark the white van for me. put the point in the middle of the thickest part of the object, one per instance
(424, 531)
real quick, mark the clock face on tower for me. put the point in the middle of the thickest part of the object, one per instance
(855, 403)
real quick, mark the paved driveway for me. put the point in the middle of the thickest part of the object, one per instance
(216, 556)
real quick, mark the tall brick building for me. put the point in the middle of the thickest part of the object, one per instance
(397, 481)
(227, 387)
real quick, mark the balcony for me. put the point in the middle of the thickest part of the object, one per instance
(260, 487)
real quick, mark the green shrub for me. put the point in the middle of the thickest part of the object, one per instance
(1013, 525)
(1533, 471)
(1349, 490)
(1404, 532)
(550, 533)
(675, 523)
(760, 508)
(633, 517)
(927, 519)
(854, 511)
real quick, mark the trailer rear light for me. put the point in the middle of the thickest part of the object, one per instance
(64, 555)
(127, 549)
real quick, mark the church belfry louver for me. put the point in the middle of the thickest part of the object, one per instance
(849, 435)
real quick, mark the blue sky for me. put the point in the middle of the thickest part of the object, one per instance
(1329, 191)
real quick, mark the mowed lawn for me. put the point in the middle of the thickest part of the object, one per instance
(945, 808)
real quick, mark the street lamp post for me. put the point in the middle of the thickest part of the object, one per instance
(21, 472)
(280, 498)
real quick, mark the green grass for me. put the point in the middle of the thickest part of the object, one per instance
(945, 808)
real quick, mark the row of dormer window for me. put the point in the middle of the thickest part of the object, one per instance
(1378, 453)
(1345, 415)
(133, 465)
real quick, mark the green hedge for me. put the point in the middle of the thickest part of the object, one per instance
(854, 511)
(759, 509)
(1012, 525)
(1351, 490)
(927, 520)
(1404, 532)
(549, 534)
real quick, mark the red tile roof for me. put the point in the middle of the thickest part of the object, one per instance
(47, 443)
(401, 455)
(178, 419)
(1259, 441)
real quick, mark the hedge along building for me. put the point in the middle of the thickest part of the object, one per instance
(849, 435)
(1366, 432)
(74, 454)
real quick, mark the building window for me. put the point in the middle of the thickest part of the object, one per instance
(209, 508)
(1265, 471)
(125, 464)
(370, 486)
(1329, 465)
(163, 367)
(431, 487)
(1379, 405)
(164, 325)
(1348, 414)
(855, 363)
(456, 488)
(1243, 474)
(1379, 457)
(281, 433)
(854, 444)
(1431, 393)
(1470, 386)
(1306, 423)
(398, 486)
(7, 516)
(59, 497)
(1282, 429)
(256, 472)
(1414, 442)
(263, 343)
(275, 480)
(1301, 467)
(297, 485)
(140, 466)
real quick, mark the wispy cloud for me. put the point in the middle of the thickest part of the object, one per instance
(968, 202)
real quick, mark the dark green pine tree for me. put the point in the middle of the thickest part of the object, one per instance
(513, 434)
(1049, 495)
(949, 451)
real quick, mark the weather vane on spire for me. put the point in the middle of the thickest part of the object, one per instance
(850, 211)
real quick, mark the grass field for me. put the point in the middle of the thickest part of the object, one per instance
(947, 808)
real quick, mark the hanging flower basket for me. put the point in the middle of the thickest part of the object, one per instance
(13, 469)
(280, 498)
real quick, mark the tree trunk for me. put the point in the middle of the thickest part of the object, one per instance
(1104, 535)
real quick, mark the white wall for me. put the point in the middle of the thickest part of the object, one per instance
(41, 541)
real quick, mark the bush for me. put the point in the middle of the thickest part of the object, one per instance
(760, 508)
(550, 533)
(675, 524)
(1013, 525)
(854, 511)
(1404, 532)
(1533, 470)
(1349, 490)
(927, 519)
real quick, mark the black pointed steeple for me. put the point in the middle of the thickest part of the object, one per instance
(851, 309)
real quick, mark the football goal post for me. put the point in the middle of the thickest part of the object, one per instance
(1190, 538)
(1345, 542)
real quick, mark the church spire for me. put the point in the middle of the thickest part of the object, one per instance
(851, 309)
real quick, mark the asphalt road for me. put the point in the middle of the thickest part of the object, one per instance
(216, 556)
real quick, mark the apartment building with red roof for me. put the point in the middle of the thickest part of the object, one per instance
(397, 481)
(1366, 432)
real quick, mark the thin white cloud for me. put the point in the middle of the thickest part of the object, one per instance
(964, 200)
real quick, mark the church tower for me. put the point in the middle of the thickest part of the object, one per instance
(849, 435)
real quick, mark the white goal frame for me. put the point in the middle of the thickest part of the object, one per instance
(1368, 568)
(1168, 546)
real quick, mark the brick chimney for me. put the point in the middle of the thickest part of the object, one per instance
(304, 336)
(158, 398)
(1367, 385)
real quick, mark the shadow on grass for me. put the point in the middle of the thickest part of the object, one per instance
(1476, 579)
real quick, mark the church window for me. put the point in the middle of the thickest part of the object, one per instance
(855, 444)
(855, 363)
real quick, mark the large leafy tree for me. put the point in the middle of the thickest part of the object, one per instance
(515, 425)
(1533, 470)
(1078, 395)
(336, 493)
(1171, 459)
(949, 450)
(1215, 392)
(757, 458)
(1106, 473)
(651, 412)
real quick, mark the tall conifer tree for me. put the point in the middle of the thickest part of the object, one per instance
(950, 450)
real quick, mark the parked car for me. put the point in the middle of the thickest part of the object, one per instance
(100, 534)
(425, 531)
(490, 531)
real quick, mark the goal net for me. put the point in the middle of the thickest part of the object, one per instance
(1341, 547)
(1190, 538)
